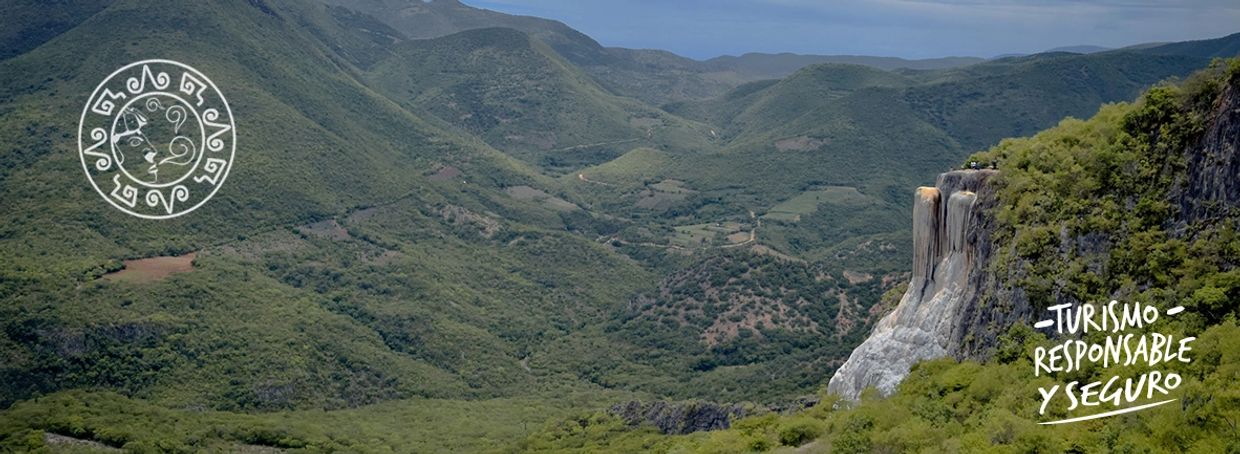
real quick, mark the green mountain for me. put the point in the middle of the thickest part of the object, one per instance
(266, 320)
(882, 132)
(439, 272)
(523, 98)
(437, 18)
(777, 66)
(1224, 47)
(653, 76)
(981, 104)
(1081, 49)
(506, 221)
(650, 75)
(29, 24)
(1061, 203)
(303, 143)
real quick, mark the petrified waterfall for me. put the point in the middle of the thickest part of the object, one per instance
(923, 325)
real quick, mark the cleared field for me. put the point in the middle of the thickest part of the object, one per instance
(807, 202)
(673, 186)
(142, 271)
(325, 229)
(530, 193)
(698, 235)
(662, 195)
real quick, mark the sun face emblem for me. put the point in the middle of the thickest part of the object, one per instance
(157, 139)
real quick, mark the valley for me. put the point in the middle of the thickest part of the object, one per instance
(441, 212)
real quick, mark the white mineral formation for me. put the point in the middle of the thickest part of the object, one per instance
(921, 325)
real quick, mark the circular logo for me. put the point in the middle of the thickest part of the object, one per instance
(157, 139)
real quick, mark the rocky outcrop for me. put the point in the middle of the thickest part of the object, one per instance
(958, 304)
(927, 322)
(1210, 187)
(1206, 192)
(679, 418)
(992, 303)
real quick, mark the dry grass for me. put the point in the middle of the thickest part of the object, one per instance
(153, 269)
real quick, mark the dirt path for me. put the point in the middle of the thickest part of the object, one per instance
(617, 239)
(582, 177)
(753, 233)
(598, 144)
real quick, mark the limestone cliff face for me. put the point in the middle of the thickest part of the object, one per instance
(947, 226)
(1206, 193)
(958, 304)
(1210, 188)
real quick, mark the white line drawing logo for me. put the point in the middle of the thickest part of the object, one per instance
(157, 139)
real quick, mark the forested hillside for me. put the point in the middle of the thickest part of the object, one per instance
(1060, 197)
(454, 213)
(521, 97)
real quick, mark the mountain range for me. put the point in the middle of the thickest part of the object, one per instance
(439, 212)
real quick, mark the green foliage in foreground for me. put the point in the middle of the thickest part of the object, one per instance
(946, 406)
(941, 406)
(416, 425)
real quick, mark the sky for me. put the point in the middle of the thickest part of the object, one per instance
(900, 28)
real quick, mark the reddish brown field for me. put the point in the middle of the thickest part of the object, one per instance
(142, 271)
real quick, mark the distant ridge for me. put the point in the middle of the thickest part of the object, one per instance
(765, 66)
(1227, 46)
(1079, 49)
(1222, 47)
(1085, 49)
(654, 76)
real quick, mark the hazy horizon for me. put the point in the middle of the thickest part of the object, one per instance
(914, 29)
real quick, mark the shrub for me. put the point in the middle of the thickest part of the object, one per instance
(799, 430)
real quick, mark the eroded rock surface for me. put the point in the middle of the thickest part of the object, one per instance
(924, 324)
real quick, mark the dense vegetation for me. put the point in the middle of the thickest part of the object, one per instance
(521, 97)
(955, 407)
(1092, 205)
(114, 421)
(1067, 182)
(884, 132)
(502, 221)
(423, 278)
(745, 318)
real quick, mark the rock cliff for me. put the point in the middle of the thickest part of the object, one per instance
(948, 225)
(1209, 190)
(958, 304)
(1205, 195)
